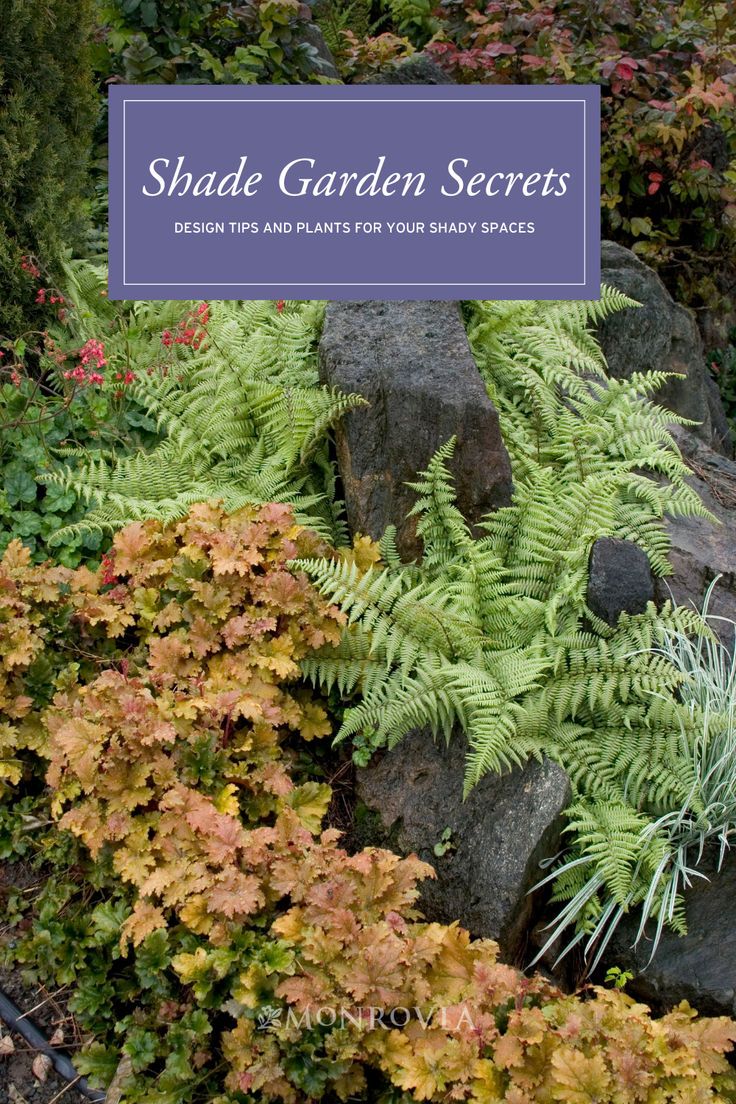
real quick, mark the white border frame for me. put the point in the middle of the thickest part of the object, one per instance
(374, 99)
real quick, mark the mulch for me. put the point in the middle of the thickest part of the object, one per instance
(19, 1083)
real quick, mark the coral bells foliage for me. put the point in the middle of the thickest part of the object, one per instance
(259, 961)
(472, 1029)
(30, 596)
(218, 625)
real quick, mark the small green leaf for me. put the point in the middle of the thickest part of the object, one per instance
(149, 13)
(141, 1046)
(641, 226)
(107, 920)
(20, 486)
(98, 1063)
(27, 524)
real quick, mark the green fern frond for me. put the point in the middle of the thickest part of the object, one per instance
(494, 637)
(240, 413)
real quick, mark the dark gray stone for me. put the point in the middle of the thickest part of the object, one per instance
(660, 335)
(717, 324)
(619, 579)
(703, 549)
(412, 362)
(417, 69)
(499, 835)
(712, 144)
(699, 967)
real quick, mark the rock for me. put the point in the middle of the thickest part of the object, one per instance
(699, 967)
(660, 335)
(497, 837)
(713, 145)
(312, 35)
(718, 325)
(417, 69)
(619, 579)
(412, 362)
(702, 549)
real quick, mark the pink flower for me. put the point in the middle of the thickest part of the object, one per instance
(29, 266)
(109, 578)
(93, 350)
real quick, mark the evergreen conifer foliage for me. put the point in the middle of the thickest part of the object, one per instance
(48, 108)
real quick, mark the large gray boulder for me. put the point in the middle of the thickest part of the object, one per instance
(418, 69)
(312, 35)
(495, 839)
(412, 362)
(660, 336)
(699, 967)
(701, 548)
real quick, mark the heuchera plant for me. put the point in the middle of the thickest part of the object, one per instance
(221, 941)
(219, 623)
(60, 393)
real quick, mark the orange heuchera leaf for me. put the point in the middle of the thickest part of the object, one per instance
(378, 974)
(579, 1079)
(172, 657)
(245, 627)
(144, 919)
(310, 802)
(718, 1034)
(508, 1051)
(235, 895)
(314, 721)
(364, 553)
(434, 1061)
(167, 746)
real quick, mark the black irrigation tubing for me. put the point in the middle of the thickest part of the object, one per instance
(16, 1021)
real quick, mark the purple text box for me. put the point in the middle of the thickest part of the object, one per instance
(359, 192)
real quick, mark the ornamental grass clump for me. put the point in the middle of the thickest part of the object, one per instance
(48, 108)
(675, 849)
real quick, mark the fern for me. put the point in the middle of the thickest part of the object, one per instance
(664, 853)
(493, 635)
(239, 411)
